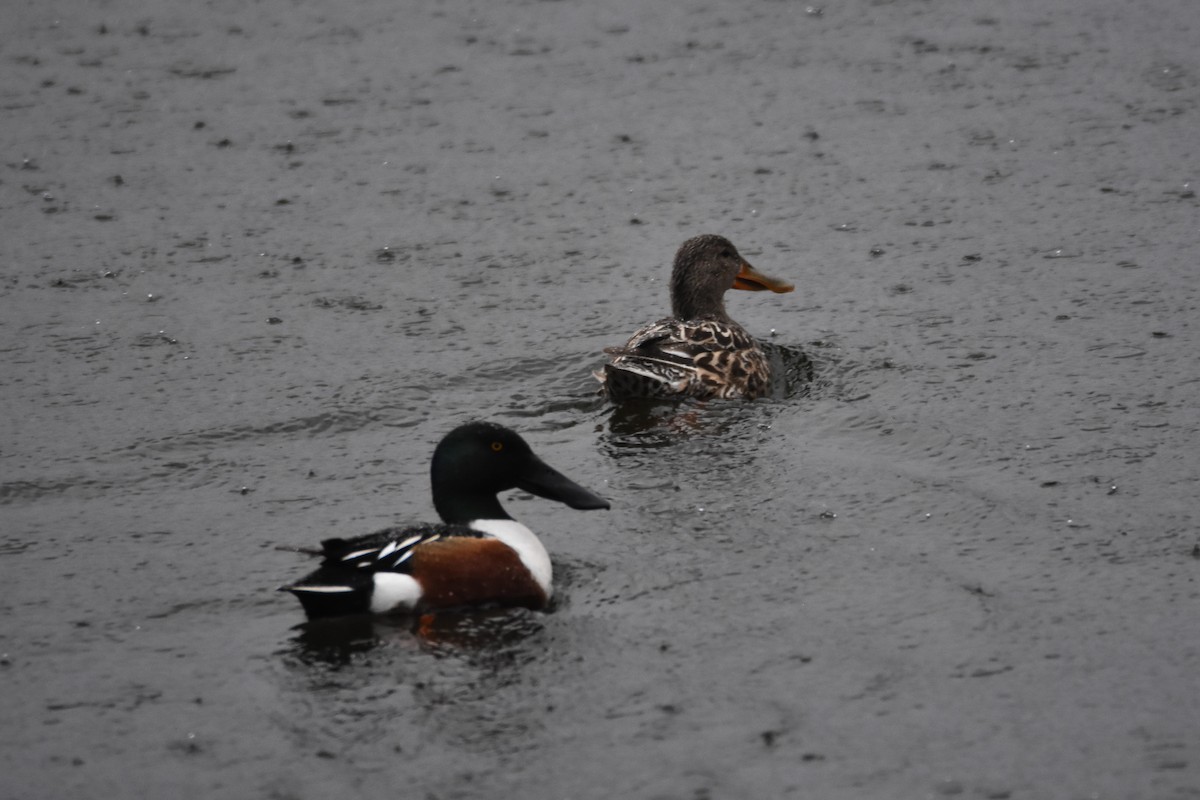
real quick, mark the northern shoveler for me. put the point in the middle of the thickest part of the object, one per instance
(477, 555)
(698, 351)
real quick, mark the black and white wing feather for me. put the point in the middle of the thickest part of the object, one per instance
(387, 550)
(346, 579)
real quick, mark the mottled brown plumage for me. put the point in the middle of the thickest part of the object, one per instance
(699, 351)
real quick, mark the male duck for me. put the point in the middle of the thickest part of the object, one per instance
(477, 555)
(699, 351)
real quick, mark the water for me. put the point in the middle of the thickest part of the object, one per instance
(952, 554)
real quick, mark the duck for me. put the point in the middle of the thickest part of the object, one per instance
(477, 555)
(699, 351)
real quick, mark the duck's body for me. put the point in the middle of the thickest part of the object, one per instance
(687, 358)
(478, 554)
(699, 351)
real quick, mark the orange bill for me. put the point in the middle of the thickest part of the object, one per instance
(751, 280)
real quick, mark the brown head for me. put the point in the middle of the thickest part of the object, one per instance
(705, 268)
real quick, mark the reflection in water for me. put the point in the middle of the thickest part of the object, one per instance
(335, 641)
(644, 423)
(339, 641)
(374, 687)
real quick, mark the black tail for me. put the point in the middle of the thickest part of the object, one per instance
(333, 591)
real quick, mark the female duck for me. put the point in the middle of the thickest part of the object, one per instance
(477, 555)
(699, 351)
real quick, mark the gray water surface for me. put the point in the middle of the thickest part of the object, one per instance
(258, 258)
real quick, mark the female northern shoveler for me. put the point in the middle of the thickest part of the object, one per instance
(477, 555)
(699, 351)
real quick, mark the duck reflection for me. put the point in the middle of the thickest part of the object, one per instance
(339, 641)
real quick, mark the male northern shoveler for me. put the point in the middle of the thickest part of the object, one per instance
(477, 555)
(698, 351)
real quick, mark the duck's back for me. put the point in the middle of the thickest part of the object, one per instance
(675, 358)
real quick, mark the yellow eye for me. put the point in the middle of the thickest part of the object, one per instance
(497, 447)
